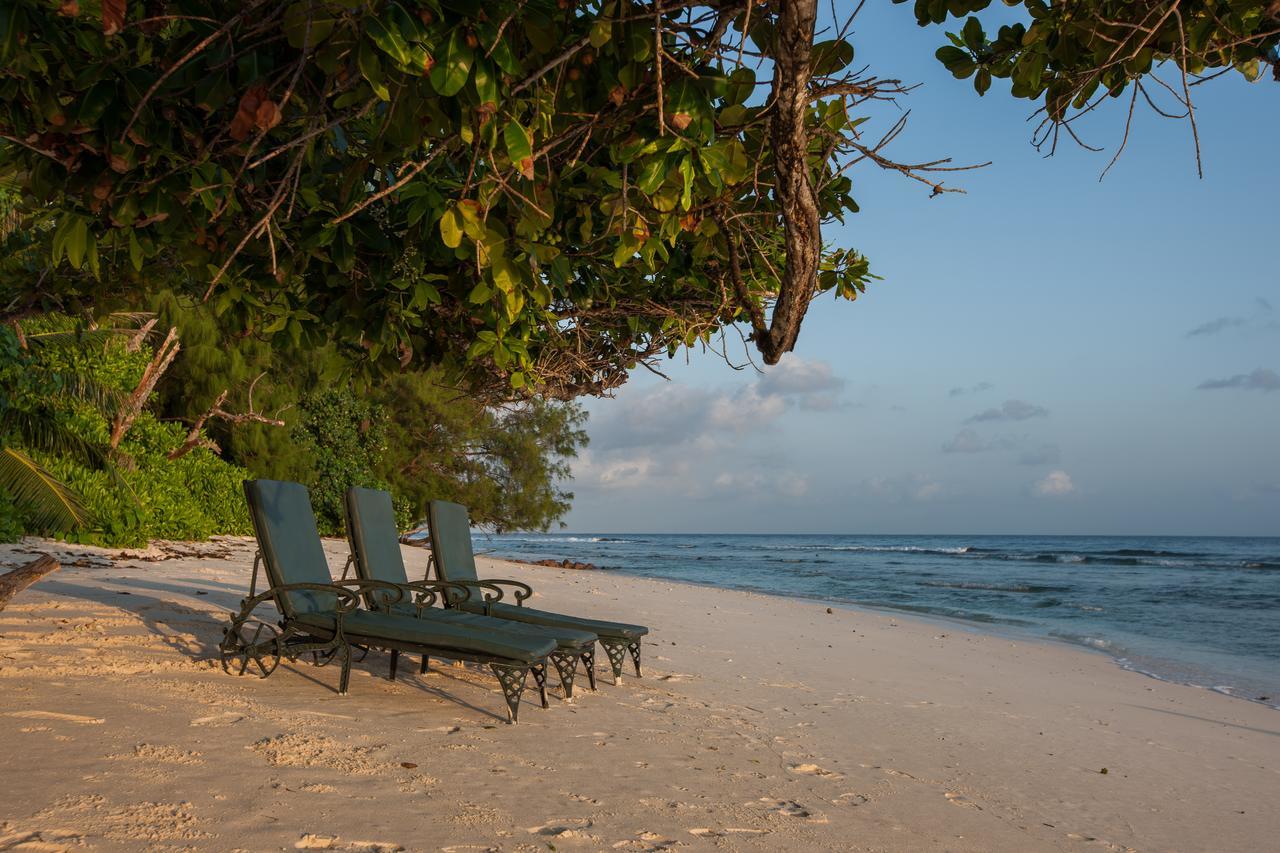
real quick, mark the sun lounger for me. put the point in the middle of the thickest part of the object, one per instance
(455, 562)
(375, 555)
(320, 617)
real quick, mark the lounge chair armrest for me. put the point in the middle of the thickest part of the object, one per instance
(346, 599)
(427, 593)
(521, 592)
(378, 595)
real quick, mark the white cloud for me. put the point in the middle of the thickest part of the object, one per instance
(916, 488)
(1012, 410)
(1055, 484)
(795, 375)
(1261, 379)
(960, 391)
(968, 441)
(746, 410)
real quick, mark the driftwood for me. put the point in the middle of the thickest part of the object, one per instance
(12, 583)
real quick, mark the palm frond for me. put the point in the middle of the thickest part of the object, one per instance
(46, 434)
(51, 503)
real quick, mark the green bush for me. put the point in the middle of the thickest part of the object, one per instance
(11, 524)
(140, 494)
(345, 436)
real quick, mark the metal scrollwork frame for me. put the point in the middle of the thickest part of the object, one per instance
(243, 641)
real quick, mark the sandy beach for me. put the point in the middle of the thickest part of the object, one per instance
(761, 723)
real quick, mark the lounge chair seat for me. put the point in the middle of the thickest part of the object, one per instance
(559, 621)
(455, 563)
(376, 556)
(440, 634)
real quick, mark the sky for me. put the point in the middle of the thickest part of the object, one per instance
(1047, 353)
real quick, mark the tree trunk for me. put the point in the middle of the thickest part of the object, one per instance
(11, 583)
(793, 43)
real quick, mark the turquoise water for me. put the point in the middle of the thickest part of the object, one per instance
(1198, 610)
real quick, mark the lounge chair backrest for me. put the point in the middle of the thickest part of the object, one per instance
(374, 537)
(290, 544)
(451, 541)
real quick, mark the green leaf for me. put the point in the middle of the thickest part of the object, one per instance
(831, 56)
(519, 145)
(974, 37)
(371, 70)
(451, 228)
(601, 32)
(387, 37)
(135, 251)
(982, 81)
(452, 70)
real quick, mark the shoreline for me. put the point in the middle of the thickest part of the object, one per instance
(762, 722)
(1006, 629)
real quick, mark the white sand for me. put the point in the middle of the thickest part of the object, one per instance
(761, 723)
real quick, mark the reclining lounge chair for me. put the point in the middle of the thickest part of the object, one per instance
(455, 562)
(375, 554)
(320, 616)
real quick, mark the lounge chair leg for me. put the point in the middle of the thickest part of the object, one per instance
(565, 664)
(540, 678)
(634, 648)
(345, 679)
(426, 664)
(395, 659)
(617, 653)
(589, 661)
(511, 679)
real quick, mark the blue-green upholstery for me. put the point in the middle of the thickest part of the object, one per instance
(435, 634)
(289, 542)
(455, 561)
(375, 544)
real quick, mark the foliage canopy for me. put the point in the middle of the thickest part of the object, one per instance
(542, 193)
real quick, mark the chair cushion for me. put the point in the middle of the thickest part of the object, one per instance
(607, 630)
(374, 537)
(432, 633)
(566, 638)
(451, 541)
(290, 543)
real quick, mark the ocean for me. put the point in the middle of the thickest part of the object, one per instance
(1198, 610)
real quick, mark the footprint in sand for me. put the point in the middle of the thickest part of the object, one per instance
(565, 829)
(54, 715)
(851, 798)
(813, 770)
(50, 840)
(226, 718)
(961, 800)
(311, 841)
(647, 841)
(790, 808)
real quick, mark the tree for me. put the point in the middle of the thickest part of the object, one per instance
(1072, 56)
(532, 193)
(504, 463)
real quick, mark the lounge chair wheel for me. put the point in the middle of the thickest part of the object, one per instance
(250, 641)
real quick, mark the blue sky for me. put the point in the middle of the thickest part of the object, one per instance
(1046, 354)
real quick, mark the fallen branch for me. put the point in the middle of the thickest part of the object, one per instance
(194, 439)
(164, 356)
(14, 582)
